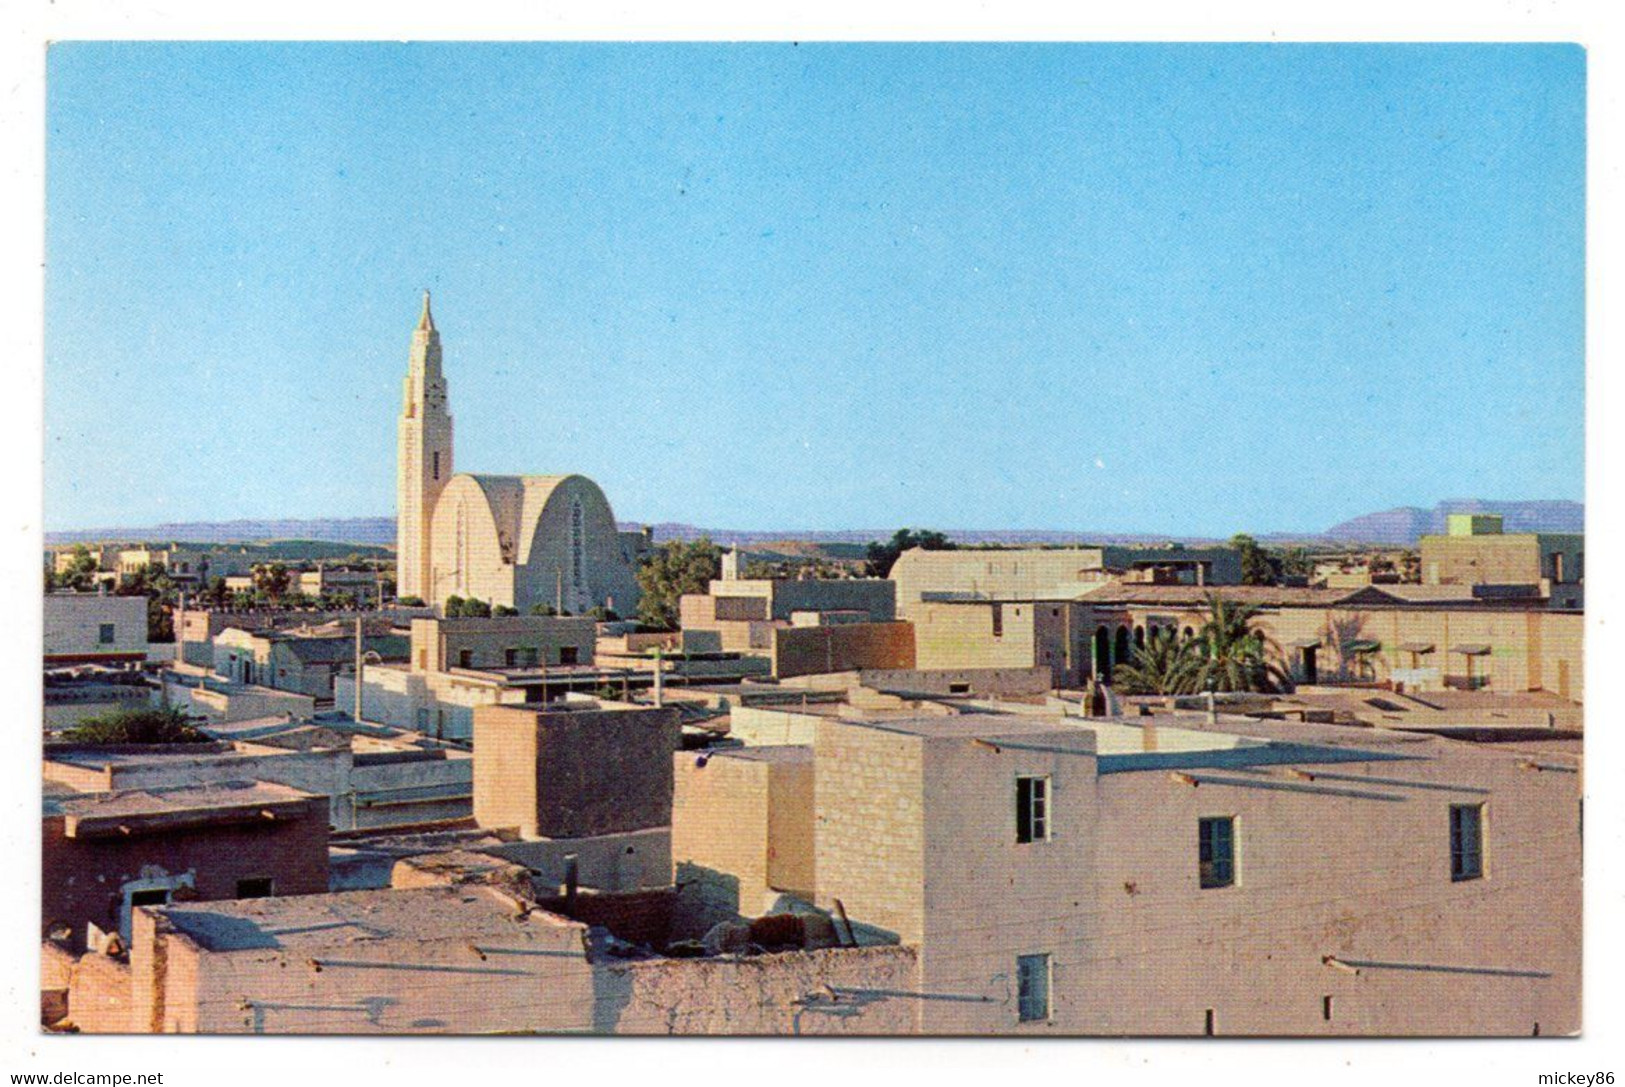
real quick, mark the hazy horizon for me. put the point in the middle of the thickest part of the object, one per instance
(1156, 289)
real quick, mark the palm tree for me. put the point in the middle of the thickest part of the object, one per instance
(1231, 654)
(1165, 664)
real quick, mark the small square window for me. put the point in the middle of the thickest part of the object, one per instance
(257, 887)
(1216, 851)
(105, 634)
(569, 654)
(510, 657)
(1466, 841)
(465, 658)
(158, 897)
(1032, 988)
(1032, 809)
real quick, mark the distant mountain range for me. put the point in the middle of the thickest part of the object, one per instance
(1402, 526)
(1407, 524)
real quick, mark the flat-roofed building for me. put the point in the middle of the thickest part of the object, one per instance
(361, 586)
(1058, 573)
(469, 957)
(456, 665)
(1179, 876)
(1421, 637)
(108, 852)
(373, 779)
(303, 660)
(1474, 551)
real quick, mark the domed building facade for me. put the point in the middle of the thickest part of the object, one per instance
(519, 541)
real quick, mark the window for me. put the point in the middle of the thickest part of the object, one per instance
(1216, 851)
(578, 547)
(256, 887)
(998, 620)
(569, 654)
(437, 464)
(105, 634)
(1032, 809)
(959, 688)
(1466, 841)
(465, 658)
(1032, 988)
(157, 897)
(510, 657)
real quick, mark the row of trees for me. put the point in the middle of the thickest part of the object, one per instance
(1227, 654)
(883, 556)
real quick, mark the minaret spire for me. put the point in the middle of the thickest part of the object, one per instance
(423, 456)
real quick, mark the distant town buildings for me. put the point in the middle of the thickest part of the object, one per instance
(1476, 552)
(934, 803)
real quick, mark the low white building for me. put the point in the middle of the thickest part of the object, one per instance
(92, 628)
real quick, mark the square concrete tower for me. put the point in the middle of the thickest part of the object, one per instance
(561, 773)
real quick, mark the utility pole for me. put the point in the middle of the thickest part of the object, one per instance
(359, 664)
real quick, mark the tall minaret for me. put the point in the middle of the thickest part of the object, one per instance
(423, 458)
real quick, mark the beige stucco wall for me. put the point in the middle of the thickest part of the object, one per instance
(534, 979)
(73, 624)
(1528, 647)
(869, 850)
(720, 830)
(1314, 879)
(438, 644)
(962, 636)
(1137, 947)
(1494, 559)
(760, 994)
(558, 774)
(799, 651)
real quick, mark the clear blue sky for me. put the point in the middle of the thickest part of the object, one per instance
(1173, 289)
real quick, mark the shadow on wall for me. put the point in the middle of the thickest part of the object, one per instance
(1340, 634)
(705, 897)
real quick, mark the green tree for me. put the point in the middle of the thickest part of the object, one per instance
(671, 571)
(883, 556)
(1256, 567)
(471, 608)
(152, 581)
(1294, 562)
(543, 609)
(81, 572)
(162, 725)
(217, 595)
(410, 601)
(1231, 654)
(1167, 663)
(502, 611)
(273, 579)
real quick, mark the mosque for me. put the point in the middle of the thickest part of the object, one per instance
(518, 541)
